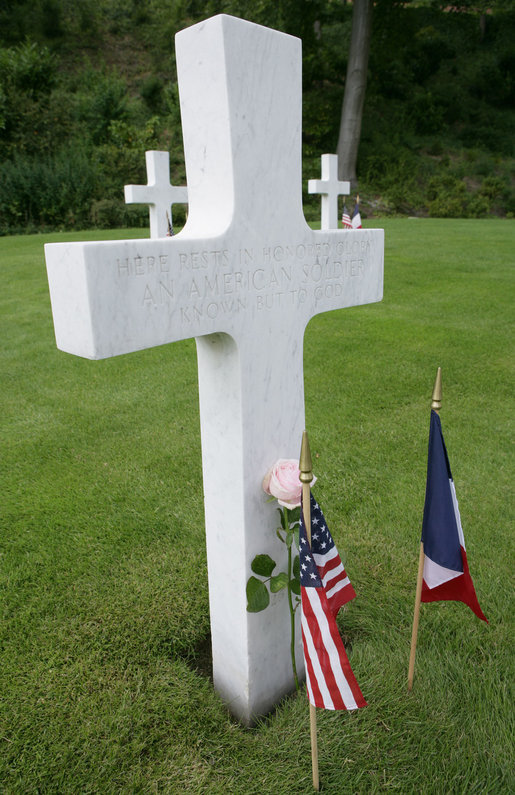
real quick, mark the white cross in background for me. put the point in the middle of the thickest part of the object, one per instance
(244, 277)
(330, 187)
(158, 193)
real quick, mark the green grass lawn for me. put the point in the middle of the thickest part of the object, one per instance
(103, 586)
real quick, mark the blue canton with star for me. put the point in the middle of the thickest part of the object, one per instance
(321, 543)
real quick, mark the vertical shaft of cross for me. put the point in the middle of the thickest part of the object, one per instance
(436, 404)
(236, 95)
(306, 477)
(244, 430)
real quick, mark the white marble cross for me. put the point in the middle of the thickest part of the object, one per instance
(243, 277)
(330, 187)
(159, 194)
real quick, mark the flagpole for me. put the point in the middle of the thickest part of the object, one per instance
(436, 405)
(306, 476)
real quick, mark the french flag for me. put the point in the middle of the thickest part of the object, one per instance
(356, 216)
(446, 571)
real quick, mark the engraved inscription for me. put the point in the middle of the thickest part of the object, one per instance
(199, 284)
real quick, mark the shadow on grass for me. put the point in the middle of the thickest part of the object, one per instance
(199, 659)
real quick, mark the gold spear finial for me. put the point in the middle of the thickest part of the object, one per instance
(436, 403)
(305, 464)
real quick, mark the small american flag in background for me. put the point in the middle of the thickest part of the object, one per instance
(325, 587)
(346, 222)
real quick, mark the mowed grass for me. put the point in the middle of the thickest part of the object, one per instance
(103, 585)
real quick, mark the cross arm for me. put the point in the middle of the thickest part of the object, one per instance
(111, 298)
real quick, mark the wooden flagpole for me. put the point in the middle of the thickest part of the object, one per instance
(306, 476)
(436, 405)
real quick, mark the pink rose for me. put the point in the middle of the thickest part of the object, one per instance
(282, 482)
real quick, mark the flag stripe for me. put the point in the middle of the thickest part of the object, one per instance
(325, 642)
(460, 589)
(328, 651)
(457, 513)
(331, 557)
(435, 575)
(320, 691)
(338, 587)
(314, 694)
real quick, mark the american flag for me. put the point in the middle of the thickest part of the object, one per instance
(325, 587)
(346, 222)
(356, 216)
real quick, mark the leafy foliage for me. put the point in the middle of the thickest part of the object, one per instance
(97, 81)
(258, 597)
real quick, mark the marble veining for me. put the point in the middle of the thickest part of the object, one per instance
(244, 277)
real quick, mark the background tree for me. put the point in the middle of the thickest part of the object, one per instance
(355, 88)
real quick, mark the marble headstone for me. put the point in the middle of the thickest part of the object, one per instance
(331, 188)
(243, 277)
(158, 193)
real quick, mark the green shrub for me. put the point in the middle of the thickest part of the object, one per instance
(152, 92)
(107, 213)
(27, 76)
(493, 188)
(48, 192)
(103, 100)
(52, 19)
(478, 207)
(447, 196)
(27, 69)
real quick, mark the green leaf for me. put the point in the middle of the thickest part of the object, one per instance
(283, 519)
(258, 597)
(263, 565)
(296, 567)
(279, 582)
(295, 586)
(289, 538)
(294, 515)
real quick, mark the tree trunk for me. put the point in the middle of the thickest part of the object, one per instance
(354, 95)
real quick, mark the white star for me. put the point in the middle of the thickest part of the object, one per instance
(323, 545)
(313, 576)
(315, 537)
(314, 521)
(303, 567)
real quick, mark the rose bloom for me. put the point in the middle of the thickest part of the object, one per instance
(282, 482)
